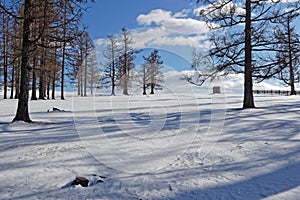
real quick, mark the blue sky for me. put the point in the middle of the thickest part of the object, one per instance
(158, 24)
(169, 25)
(107, 17)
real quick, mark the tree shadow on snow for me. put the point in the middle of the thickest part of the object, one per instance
(255, 188)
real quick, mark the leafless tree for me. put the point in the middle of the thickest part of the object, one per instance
(111, 53)
(31, 12)
(240, 34)
(126, 58)
(151, 73)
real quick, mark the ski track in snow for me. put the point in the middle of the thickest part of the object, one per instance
(255, 155)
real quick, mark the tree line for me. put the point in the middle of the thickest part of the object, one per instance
(256, 38)
(42, 43)
(120, 70)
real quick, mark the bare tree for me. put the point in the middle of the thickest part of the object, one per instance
(89, 60)
(5, 50)
(93, 71)
(151, 72)
(83, 58)
(22, 110)
(7, 53)
(111, 53)
(125, 61)
(239, 37)
(143, 75)
(29, 14)
(288, 49)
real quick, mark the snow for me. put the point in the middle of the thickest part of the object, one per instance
(166, 146)
(230, 84)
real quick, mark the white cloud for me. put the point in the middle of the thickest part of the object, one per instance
(147, 36)
(227, 9)
(160, 36)
(183, 13)
(172, 32)
(100, 42)
(175, 21)
(155, 16)
(163, 28)
(169, 40)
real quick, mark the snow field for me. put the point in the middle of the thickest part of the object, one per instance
(157, 147)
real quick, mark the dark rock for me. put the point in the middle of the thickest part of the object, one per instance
(81, 181)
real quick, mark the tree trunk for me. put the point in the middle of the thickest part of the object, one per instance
(248, 84)
(78, 84)
(125, 83)
(144, 81)
(125, 86)
(53, 84)
(113, 93)
(62, 84)
(17, 82)
(85, 76)
(48, 87)
(54, 76)
(22, 109)
(144, 89)
(113, 85)
(5, 75)
(5, 57)
(292, 73)
(33, 94)
(81, 80)
(62, 96)
(12, 82)
(42, 84)
(152, 88)
(152, 84)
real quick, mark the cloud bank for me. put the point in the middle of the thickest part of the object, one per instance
(177, 32)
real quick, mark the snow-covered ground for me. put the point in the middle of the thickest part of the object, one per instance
(167, 146)
(182, 143)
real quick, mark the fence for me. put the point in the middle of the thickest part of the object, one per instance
(276, 92)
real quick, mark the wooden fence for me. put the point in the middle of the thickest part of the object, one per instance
(274, 92)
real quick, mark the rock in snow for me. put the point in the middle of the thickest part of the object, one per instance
(79, 180)
(85, 180)
(88, 180)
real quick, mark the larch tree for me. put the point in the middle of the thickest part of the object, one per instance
(94, 72)
(111, 54)
(2, 45)
(5, 25)
(83, 49)
(89, 61)
(66, 31)
(75, 73)
(22, 109)
(66, 9)
(29, 13)
(288, 52)
(126, 59)
(144, 77)
(16, 55)
(239, 37)
(151, 73)
(6, 50)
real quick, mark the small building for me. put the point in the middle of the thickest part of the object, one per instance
(216, 90)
